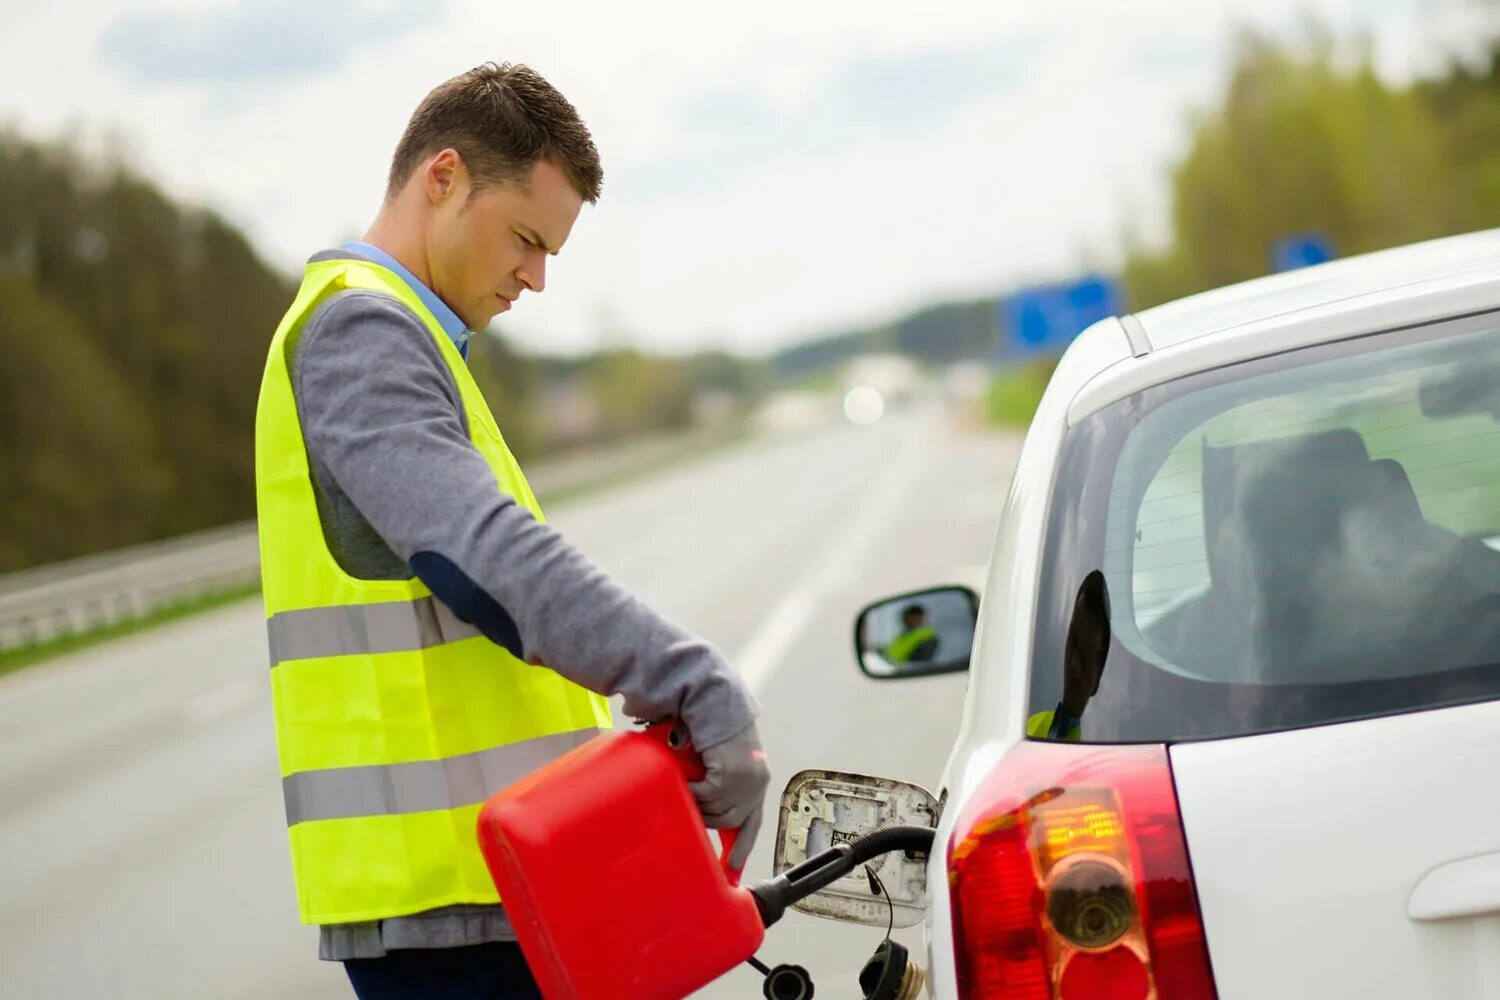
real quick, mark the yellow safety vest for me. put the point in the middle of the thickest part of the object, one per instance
(1040, 724)
(904, 645)
(395, 720)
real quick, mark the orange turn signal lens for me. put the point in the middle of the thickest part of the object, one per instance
(1083, 822)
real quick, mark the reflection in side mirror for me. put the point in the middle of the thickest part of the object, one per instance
(918, 634)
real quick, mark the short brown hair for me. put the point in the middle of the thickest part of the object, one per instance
(501, 119)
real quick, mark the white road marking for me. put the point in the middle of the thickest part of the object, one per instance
(225, 700)
(834, 566)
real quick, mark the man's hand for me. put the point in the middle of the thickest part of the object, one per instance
(732, 794)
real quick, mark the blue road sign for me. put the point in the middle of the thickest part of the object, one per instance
(1045, 319)
(1301, 250)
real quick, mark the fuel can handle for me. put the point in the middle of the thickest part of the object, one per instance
(673, 734)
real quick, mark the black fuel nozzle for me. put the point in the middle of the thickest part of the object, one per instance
(774, 895)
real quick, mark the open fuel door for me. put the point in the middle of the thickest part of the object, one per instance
(822, 808)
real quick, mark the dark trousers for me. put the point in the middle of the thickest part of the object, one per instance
(495, 971)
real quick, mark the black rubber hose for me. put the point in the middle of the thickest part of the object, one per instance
(773, 896)
(892, 838)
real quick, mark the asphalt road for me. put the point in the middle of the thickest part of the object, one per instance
(142, 841)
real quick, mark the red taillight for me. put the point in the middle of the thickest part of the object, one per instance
(1115, 974)
(1070, 881)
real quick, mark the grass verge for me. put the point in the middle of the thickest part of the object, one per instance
(14, 659)
(1015, 393)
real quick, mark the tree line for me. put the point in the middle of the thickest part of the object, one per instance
(1307, 137)
(133, 332)
(134, 328)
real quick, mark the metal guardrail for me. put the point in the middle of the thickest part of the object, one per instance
(81, 595)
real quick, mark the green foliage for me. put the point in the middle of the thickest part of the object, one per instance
(80, 463)
(1303, 142)
(1467, 104)
(637, 392)
(949, 332)
(719, 371)
(509, 382)
(938, 335)
(133, 332)
(828, 352)
(1015, 392)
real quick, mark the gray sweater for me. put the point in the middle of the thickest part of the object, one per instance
(402, 491)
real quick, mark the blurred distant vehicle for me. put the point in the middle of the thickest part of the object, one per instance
(864, 405)
(875, 384)
(1235, 694)
(965, 383)
(792, 410)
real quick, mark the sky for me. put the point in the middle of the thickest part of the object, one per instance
(773, 170)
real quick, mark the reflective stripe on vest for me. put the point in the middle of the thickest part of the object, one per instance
(394, 719)
(388, 627)
(420, 785)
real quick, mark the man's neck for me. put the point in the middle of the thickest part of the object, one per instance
(394, 237)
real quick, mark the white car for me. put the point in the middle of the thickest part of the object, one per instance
(1271, 774)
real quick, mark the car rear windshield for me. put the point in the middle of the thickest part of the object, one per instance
(1302, 539)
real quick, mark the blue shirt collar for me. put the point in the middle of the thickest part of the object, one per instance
(447, 318)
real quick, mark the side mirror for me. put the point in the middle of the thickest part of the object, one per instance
(823, 808)
(917, 634)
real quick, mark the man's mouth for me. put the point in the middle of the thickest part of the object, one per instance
(504, 302)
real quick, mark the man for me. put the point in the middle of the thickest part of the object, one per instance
(432, 639)
(918, 641)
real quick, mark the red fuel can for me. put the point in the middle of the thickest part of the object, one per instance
(608, 875)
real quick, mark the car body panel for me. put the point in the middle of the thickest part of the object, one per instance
(1111, 360)
(1474, 291)
(994, 709)
(1307, 847)
(1400, 271)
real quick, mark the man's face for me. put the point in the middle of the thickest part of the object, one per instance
(484, 250)
(915, 619)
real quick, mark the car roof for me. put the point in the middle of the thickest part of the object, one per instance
(1476, 254)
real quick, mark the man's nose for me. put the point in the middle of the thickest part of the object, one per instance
(533, 273)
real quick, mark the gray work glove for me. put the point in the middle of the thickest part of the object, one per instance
(732, 793)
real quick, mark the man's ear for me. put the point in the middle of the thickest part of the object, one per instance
(444, 176)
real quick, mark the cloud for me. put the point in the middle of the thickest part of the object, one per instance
(931, 86)
(251, 41)
(1175, 55)
(873, 93)
(772, 169)
(723, 134)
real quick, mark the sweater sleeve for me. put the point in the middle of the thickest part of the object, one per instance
(381, 411)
